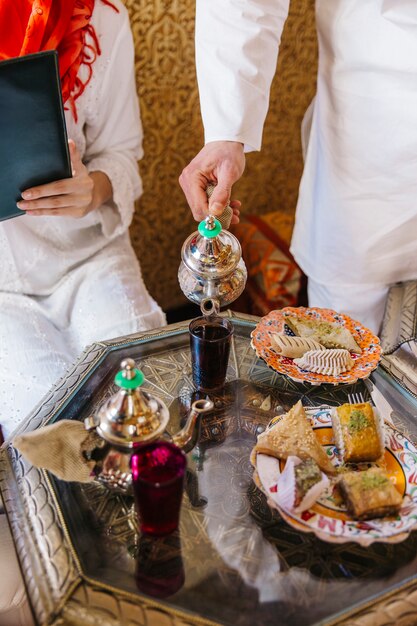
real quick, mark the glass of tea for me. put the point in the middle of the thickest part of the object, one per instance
(158, 473)
(210, 340)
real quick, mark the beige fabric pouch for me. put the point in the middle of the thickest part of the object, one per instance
(62, 448)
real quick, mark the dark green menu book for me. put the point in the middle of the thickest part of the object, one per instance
(33, 136)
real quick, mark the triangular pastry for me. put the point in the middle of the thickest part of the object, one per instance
(293, 435)
(327, 334)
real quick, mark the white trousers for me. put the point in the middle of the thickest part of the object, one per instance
(40, 337)
(364, 303)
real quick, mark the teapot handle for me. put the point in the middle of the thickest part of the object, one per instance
(226, 217)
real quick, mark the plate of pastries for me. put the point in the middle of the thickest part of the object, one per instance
(340, 473)
(316, 345)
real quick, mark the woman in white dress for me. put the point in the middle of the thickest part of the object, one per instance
(68, 273)
(356, 220)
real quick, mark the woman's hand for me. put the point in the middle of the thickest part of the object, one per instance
(74, 197)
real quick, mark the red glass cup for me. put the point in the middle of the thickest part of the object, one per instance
(210, 340)
(158, 472)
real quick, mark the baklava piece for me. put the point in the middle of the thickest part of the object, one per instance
(369, 494)
(300, 484)
(358, 432)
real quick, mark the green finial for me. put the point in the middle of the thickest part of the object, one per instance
(129, 376)
(210, 227)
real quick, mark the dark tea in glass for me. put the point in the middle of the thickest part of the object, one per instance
(210, 340)
(158, 472)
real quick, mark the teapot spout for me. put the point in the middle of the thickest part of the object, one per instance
(188, 436)
(210, 306)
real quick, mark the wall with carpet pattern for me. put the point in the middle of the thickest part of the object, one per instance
(164, 38)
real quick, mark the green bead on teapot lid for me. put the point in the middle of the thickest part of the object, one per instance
(129, 377)
(210, 227)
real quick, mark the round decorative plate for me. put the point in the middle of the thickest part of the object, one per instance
(328, 518)
(274, 322)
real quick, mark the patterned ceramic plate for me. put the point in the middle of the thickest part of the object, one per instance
(274, 322)
(328, 518)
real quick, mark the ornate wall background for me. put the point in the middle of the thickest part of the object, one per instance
(164, 37)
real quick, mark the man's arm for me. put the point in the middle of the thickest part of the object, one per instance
(237, 45)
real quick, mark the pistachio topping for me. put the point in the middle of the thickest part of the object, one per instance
(373, 481)
(307, 474)
(357, 421)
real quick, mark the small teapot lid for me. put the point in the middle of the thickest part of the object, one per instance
(131, 415)
(211, 252)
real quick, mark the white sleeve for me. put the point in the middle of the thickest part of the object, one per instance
(237, 44)
(114, 136)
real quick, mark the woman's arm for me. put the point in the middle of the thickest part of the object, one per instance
(114, 134)
(74, 197)
(108, 181)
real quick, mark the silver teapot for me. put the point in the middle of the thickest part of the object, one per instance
(212, 272)
(130, 417)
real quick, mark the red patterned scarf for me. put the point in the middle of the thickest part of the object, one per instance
(28, 26)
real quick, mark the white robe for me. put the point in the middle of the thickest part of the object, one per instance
(356, 219)
(66, 282)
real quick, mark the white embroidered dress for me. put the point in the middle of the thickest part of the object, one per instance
(66, 282)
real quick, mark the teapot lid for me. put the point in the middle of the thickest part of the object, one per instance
(211, 252)
(131, 415)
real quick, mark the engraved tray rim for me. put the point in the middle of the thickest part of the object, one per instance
(50, 588)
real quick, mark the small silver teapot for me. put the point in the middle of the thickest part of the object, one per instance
(130, 417)
(212, 272)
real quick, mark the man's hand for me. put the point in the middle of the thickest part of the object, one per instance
(74, 197)
(221, 162)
